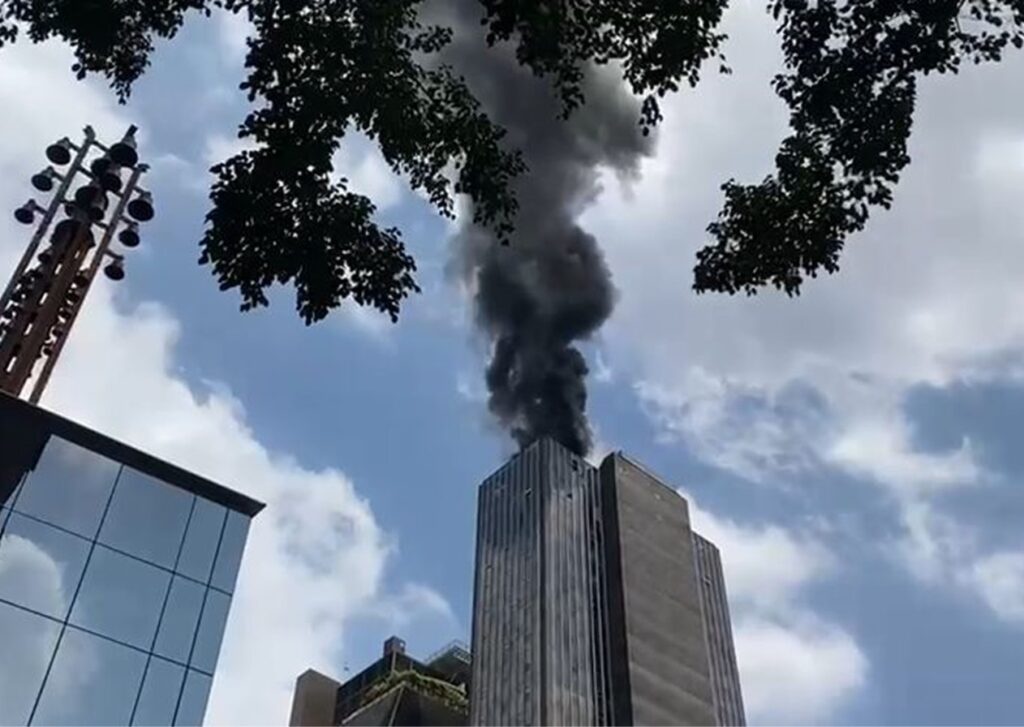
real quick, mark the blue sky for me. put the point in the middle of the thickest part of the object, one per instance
(853, 452)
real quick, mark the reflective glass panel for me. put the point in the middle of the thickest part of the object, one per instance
(201, 540)
(26, 645)
(8, 498)
(236, 528)
(69, 487)
(121, 598)
(93, 682)
(146, 518)
(40, 566)
(159, 696)
(193, 699)
(181, 615)
(211, 631)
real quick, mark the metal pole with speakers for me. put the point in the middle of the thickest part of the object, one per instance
(49, 285)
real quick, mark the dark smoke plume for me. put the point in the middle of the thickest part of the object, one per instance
(549, 287)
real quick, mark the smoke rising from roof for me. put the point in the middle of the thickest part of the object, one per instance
(549, 288)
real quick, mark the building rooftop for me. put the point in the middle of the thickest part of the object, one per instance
(30, 426)
(392, 690)
(453, 660)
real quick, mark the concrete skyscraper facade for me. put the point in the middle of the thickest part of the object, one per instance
(537, 616)
(725, 677)
(589, 599)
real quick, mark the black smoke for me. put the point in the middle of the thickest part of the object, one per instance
(549, 287)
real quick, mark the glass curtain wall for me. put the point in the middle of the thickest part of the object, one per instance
(114, 592)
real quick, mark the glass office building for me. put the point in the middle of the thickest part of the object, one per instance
(116, 577)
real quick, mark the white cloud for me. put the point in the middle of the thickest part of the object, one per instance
(822, 419)
(943, 552)
(220, 148)
(766, 565)
(878, 448)
(187, 175)
(361, 164)
(732, 428)
(932, 544)
(316, 556)
(999, 579)
(602, 372)
(233, 29)
(414, 601)
(375, 324)
(796, 673)
(1000, 156)
(470, 386)
(795, 666)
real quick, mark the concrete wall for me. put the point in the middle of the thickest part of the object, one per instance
(725, 677)
(314, 700)
(660, 631)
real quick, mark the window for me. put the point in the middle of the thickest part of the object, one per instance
(28, 642)
(112, 582)
(192, 706)
(181, 615)
(201, 540)
(159, 695)
(93, 681)
(40, 566)
(69, 487)
(146, 518)
(211, 631)
(121, 598)
(225, 571)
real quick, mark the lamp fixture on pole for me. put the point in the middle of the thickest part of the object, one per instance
(49, 285)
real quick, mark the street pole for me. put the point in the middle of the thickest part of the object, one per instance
(47, 290)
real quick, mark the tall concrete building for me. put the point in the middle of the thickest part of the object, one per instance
(725, 676)
(594, 603)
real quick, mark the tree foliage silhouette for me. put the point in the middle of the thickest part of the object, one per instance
(318, 69)
(851, 83)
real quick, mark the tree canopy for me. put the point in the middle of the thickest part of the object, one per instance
(850, 81)
(318, 69)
